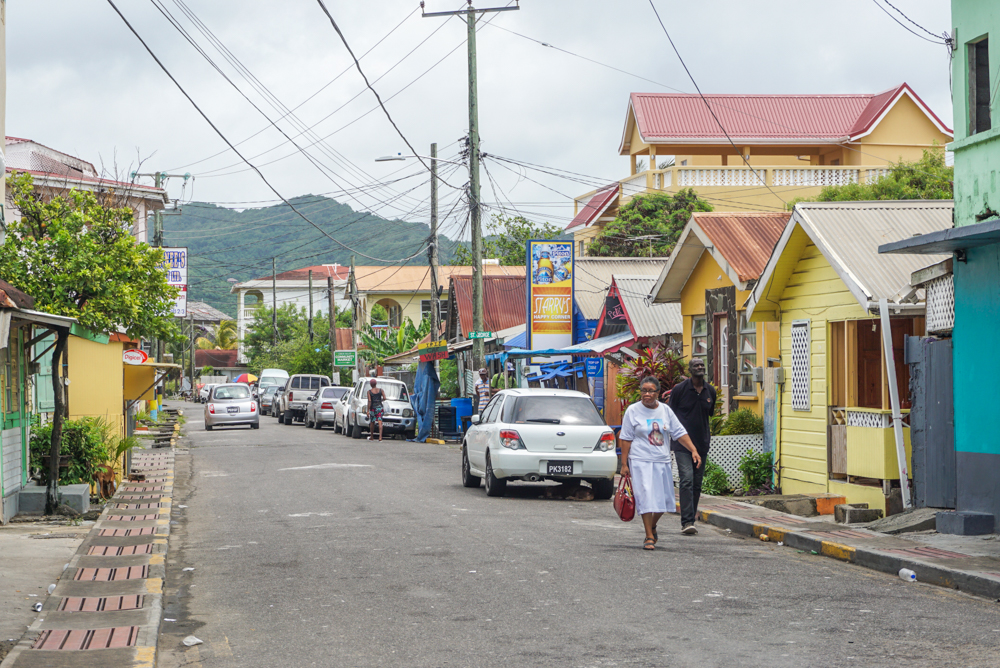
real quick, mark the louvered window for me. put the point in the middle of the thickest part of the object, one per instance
(800, 365)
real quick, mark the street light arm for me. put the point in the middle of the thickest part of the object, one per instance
(399, 157)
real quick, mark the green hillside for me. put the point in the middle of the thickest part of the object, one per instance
(226, 243)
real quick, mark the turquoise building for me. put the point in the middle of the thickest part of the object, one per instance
(975, 245)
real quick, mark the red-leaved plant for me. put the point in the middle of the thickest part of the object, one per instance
(657, 361)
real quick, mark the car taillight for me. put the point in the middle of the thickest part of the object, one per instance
(511, 439)
(326, 405)
(605, 442)
(289, 396)
(211, 409)
(253, 406)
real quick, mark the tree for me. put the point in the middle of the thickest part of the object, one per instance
(395, 341)
(648, 226)
(927, 178)
(76, 256)
(222, 336)
(506, 240)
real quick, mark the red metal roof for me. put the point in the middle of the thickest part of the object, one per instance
(504, 302)
(344, 339)
(745, 240)
(594, 207)
(82, 178)
(320, 272)
(669, 117)
(225, 359)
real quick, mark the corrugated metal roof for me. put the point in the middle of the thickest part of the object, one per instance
(592, 278)
(849, 234)
(320, 272)
(408, 279)
(745, 240)
(595, 206)
(665, 117)
(203, 311)
(647, 318)
(504, 303)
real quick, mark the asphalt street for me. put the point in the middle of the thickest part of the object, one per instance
(312, 549)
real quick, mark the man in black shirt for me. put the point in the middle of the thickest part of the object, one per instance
(693, 401)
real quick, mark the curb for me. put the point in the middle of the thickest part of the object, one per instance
(141, 653)
(970, 582)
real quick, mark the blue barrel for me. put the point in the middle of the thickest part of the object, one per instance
(463, 407)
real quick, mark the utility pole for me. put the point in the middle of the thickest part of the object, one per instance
(310, 306)
(274, 305)
(474, 190)
(353, 287)
(333, 325)
(432, 250)
(191, 356)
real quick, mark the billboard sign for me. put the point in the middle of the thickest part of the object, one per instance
(550, 294)
(345, 358)
(175, 263)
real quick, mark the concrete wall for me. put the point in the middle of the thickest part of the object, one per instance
(13, 467)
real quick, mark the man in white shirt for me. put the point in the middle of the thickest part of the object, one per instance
(482, 391)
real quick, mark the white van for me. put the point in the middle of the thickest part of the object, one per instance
(272, 377)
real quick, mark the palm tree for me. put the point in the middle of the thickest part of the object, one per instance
(377, 348)
(222, 336)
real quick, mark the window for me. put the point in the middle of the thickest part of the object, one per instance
(979, 86)
(556, 410)
(295, 383)
(801, 358)
(427, 304)
(493, 408)
(747, 355)
(699, 337)
(580, 247)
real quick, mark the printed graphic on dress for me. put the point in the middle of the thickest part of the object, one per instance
(655, 428)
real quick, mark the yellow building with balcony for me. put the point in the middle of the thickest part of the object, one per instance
(775, 148)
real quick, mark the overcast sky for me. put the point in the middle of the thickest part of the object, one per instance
(80, 82)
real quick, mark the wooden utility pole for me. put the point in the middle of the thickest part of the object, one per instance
(333, 325)
(353, 287)
(191, 357)
(432, 250)
(310, 306)
(274, 305)
(474, 186)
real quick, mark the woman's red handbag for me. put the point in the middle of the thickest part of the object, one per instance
(624, 500)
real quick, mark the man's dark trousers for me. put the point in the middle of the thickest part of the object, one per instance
(690, 484)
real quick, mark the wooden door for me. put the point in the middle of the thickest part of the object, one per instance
(869, 364)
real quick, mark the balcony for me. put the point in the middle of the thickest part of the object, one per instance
(743, 189)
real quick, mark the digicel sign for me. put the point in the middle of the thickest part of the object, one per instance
(134, 356)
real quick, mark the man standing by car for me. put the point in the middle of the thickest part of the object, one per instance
(693, 402)
(482, 391)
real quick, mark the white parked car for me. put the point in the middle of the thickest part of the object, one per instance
(351, 417)
(539, 434)
(205, 390)
(320, 409)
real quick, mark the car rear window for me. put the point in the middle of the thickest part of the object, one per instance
(295, 383)
(394, 391)
(237, 392)
(555, 410)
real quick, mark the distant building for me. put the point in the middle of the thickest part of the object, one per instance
(55, 172)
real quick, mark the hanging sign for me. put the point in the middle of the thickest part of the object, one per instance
(480, 335)
(134, 356)
(175, 263)
(345, 358)
(433, 350)
(550, 294)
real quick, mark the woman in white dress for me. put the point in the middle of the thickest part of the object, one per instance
(646, 457)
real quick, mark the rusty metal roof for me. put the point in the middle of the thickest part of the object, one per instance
(11, 297)
(595, 206)
(592, 278)
(504, 304)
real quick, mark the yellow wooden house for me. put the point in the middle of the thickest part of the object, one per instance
(775, 148)
(717, 260)
(822, 285)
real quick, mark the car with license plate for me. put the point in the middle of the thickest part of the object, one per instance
(320, 410)
(398, 416)
(231, 404)
(536, 434)
(265, 397)
(298, 390)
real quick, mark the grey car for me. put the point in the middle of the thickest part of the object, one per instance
(231, 404)
(276, 402)
(265, 396)
(321, 407)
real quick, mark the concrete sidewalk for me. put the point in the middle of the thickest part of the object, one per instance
(967, 563)
(105, 609)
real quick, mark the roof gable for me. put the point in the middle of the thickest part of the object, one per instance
(595, 206)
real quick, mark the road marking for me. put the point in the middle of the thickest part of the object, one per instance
(327, 466)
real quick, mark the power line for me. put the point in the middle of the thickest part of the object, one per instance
(235, 150)
(905, 27)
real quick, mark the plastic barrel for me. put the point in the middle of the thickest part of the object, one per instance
(463, 407)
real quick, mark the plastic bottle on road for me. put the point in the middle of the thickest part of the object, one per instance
(907, 575)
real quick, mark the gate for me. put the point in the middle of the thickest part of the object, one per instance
(932, 429)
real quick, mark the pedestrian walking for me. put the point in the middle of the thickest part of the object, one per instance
(375, 409)
(482, 391)
(693, 402)
(646, 458)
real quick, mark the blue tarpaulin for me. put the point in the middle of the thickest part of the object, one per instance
(425, 391)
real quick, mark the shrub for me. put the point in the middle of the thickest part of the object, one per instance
(715, 481)
(756, 470)
(657, 361)
(82, 440)
(742, 421)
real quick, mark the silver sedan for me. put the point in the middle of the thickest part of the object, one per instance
(231, 404)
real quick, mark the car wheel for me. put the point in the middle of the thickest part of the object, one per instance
(410, 435)
(255, 425)
(306, 421)
(356, 431)
(317, 424)
(494, 486)
(336, 425)
(604, 488)
(208, 427)
(468, 480)
(287, 417)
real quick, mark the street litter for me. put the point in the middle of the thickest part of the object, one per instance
(906, 575)
(764, 537)
(189, 568)
(780, 543)
(191, 641)
(37, 607)
(167, 619)
(52, 588)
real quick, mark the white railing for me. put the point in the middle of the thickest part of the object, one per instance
(873, 175)
(720, 177)
(634, 185)
(249, 313)
(829, 176)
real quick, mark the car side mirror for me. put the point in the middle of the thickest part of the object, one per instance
(474, 419)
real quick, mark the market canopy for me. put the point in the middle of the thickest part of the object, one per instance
(592, 348)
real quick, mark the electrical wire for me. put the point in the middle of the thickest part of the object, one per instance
(905, 27)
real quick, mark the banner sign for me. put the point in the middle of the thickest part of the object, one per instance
(175, 264)
(433, 350)
(550, 294)
(134, 356)
(614, 314)
(345, 358)
(595, 367)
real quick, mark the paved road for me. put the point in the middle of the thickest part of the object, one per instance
(314, 549)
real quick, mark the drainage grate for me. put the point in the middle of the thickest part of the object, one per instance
(730, 506)
(120, 551)
(94, 604)
(927, 553)
(141, 531)
(131, 488)
(133, 497)
(842, 533)
(111, 574)
(139, 506)
(110, 638)
(779, 518)
(131, 518)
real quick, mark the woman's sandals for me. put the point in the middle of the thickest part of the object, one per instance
(649, 544)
